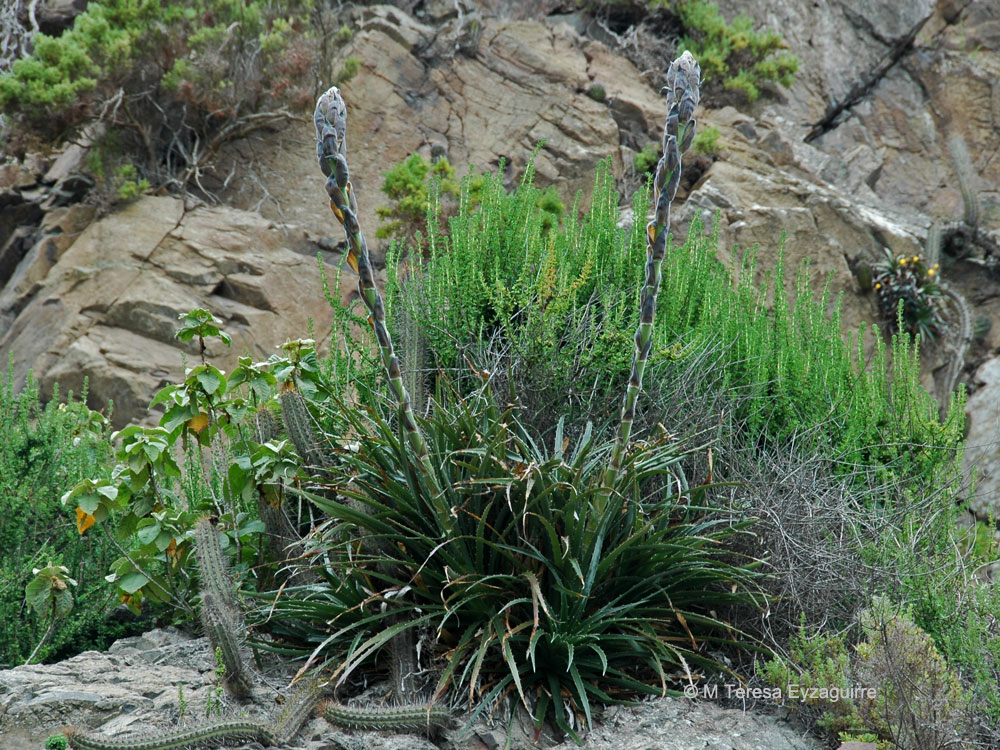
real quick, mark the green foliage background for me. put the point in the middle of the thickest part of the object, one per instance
(44, 451)
(562, 304)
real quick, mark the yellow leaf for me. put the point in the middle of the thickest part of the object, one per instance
(683, 622)
(84, 520)
(198, 423)
(172, 551)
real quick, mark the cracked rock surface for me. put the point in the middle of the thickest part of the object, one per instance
(107, 306)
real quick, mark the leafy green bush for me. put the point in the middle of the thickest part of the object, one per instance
(206, 457)
(733, 54)
(559, 305)
(45, 450)
(169, 82)
(504, 554)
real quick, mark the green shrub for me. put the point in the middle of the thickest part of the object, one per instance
(733, 54)
(919, 703)
(204, 71)
(706, 142)
(560, 305)
(350, 69)
(413, 186)
(645, 161)
(818, 661)
(963, 618)
(597, 92)
(45, 450)
(899, 686)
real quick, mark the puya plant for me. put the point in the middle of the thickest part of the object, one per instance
(557, 579)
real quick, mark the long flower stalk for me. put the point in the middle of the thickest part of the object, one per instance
(683, 91)
(330, 119)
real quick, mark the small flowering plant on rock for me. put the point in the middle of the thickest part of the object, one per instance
(909, 295)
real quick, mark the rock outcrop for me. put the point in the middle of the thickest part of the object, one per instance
(496, 95)
(105, 305)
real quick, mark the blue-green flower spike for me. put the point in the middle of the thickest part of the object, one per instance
(683, 91)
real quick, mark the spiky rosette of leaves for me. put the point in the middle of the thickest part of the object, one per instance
(529, 590)
(909, 295)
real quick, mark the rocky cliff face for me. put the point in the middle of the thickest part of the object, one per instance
(858, 155)
(102, 302)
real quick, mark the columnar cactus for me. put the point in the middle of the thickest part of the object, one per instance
(396, 718)
(220, 614)
(683, 91)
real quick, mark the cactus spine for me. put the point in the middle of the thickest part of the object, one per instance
(963, 169)
(393, 718)
(302, 430)
(265, 425)
(212, 564)
(299, 708)
(414, 354)
(222, 635)
(683, 91)
(956, 346)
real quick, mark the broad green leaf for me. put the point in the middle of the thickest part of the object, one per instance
(132, 582)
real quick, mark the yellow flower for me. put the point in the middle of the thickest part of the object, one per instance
(930, 272)
(916, 258)
(878, 286)
(902, 261)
